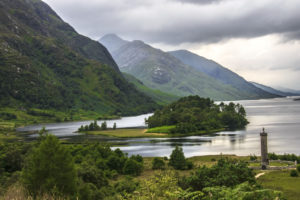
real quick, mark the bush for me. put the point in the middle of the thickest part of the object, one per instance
(272, 156)
(137, 158)
(189, 165)
(244, 191)
(298, 168)
(253, 157)
(225, 173)
(177, 159)
(158, 163)
(91, 174)
(7, 116)
(126, 186)
(132, 167)
(294, 173)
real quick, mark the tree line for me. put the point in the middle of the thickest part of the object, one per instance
(193, 113)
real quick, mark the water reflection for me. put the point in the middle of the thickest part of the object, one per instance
(280, 117)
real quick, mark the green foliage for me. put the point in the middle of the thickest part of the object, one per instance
(133, 167)
(128, 185)
(225, 173)
(287, 157)
(158, 163)
(253, 157)
(177, 159)
(92, 127)
(244, 191)
(298, 168)
(194, 114)
(103, 126)
(163, 185)
(50, 167)
(7, 116)
(294, 173)
(12, 156)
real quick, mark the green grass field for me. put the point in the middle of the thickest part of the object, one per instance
(282, 181)
(127, 133)
(161, 129)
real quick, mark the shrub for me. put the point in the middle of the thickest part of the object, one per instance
(137, 158)
(177, 159)
(158, 163)
(91, 174)
(225, 173)
(126, 186)
(253, 157)
(294, 173)
(132, 167)
(298, 168)
(189, 165)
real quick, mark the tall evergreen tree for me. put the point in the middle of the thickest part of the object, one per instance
(49, 168)
(177, 159)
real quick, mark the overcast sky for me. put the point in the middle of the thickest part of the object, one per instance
(258, 39)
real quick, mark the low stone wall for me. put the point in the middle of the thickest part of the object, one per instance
(275, 167)
(291, 165)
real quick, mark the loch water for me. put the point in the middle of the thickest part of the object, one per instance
(280, 117)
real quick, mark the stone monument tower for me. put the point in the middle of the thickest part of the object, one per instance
(264, 149)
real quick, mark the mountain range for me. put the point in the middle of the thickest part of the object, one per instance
(45, 63)
(274, 91)
(180, 72)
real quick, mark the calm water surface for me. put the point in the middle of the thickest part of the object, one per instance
(280, 117)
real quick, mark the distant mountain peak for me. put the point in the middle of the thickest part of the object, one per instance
(138, 42)
(180, 72)
(112, 41)
(111, 36)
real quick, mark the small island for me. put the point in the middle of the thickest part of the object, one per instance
(194, 115)
(190, 115)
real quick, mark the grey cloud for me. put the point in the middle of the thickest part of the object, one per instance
(199, 1)
(165, 21)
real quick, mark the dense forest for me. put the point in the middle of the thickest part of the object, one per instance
(193, 113)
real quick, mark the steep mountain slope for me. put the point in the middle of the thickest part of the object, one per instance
(272, 90)
(159, 70)
(162, 71)
(45, 64)
(220, 73)
(158, 96)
